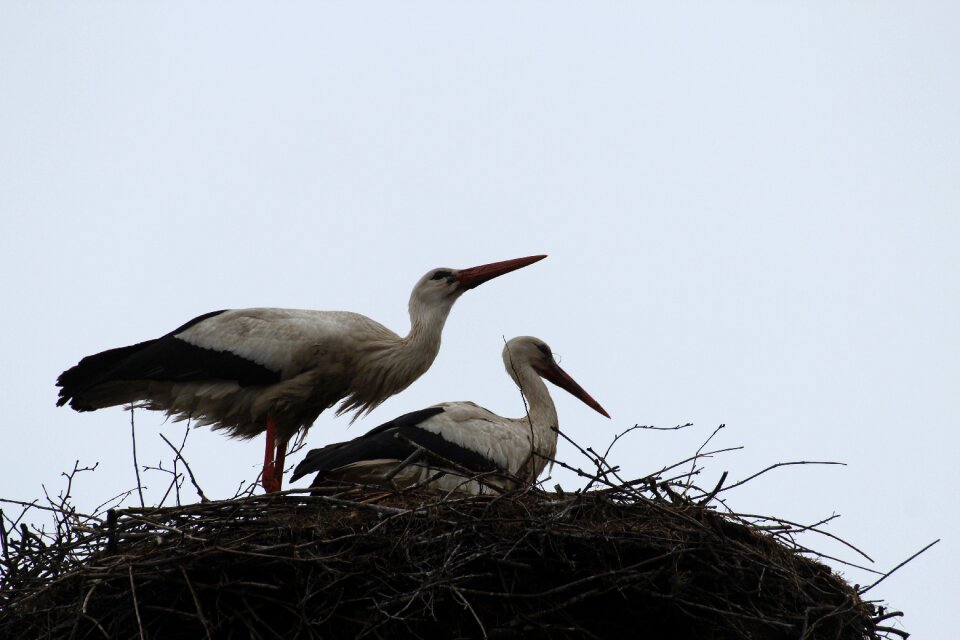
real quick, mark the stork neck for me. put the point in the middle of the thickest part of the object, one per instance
(541, 411)
(421, 346)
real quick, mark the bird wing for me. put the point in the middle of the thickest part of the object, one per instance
(396, 440)
(252, 347)
(463, 433)
(287, 341)
(505, 442)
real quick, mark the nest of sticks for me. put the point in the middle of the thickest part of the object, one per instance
(656, 557)
(612, 562)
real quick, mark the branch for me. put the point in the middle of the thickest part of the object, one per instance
(136, 467)
(774, 466)
(889, 573)
(196, 486)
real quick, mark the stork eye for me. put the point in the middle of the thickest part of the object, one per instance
(545, 350)
(441, 274)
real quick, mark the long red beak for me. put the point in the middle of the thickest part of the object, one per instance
(562, 379)
(475, 276)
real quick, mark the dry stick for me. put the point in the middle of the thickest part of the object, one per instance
(581, 582)
(902, 634)
(774, 466)
(813, 527)
(120, 497)
(710, 496)
(888, 573)
(601, 477)
(41, 507)
(593, 478)
(466, 603)
(196, 602)
(423, 483)
(136, 467)
(166, 494)
(83, 612)
(697, 605)
(98, 625)
(3, 542)
(163, 527)
(628, 490)
(299, 443)
(611, 469)
(410, 459)
(136, 607)
(653, 428)
(177, 482)
(708, 454)
(602, 460)
(23, 512)
(696, 456)
(646, 427)
(196, 486)
(177, 476)
(887, 616)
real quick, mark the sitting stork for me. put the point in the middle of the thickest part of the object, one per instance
(252, 370)
(459, 446)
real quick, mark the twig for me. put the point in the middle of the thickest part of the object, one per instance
(889, 573)
(193, 480)
(410, 459)
(136, 467)
(136, 606)
(896, 632)
(3, 542)
(466, 604)
(774, 466)
(196, 602)
(710, 496)
(800, 528)
(653, 428)
(696, 456)
(708, 454)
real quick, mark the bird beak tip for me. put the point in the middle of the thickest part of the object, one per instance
(475, 276)
(596, 407)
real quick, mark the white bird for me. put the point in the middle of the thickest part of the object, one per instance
(252, 370)
(459, 446)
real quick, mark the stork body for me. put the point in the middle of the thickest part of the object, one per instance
(447, 445)
(253, 370)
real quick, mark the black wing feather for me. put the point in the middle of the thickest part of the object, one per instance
(167, 358)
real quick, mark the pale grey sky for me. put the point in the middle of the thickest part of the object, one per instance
(751, 211)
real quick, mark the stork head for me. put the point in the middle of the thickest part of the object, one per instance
(439, 288)
(534, 352)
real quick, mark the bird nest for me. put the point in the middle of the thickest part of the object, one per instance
(621, 561)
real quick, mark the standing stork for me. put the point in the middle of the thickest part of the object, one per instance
(252, 370)
(447, 445)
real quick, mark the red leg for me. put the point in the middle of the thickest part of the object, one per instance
(268, 477)
(281, 458)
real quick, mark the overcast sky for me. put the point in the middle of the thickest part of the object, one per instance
(750, 208)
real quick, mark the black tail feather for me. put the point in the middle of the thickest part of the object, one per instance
(167, 358)
(92, 371)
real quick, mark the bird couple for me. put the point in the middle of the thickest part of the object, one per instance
(250, 371)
